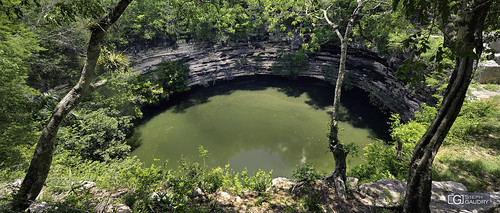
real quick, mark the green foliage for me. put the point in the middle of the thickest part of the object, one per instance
(408, 133)
(203, 153)
(475, 118)
(383, 31)
(146, 90)
(306, 172)
(492, 87)
(17, 44)
(97, 135)
(117, 95)
(151, 22)
(144, 23)
(214, 180)
(172, 76)
(70, 11)
(46, 72)
(111, 62)
(477, 173)
(313, 204)
(258, 181)
(424, 9)
(431, 60)
(291, 64)
(222, 20)
(169, 77)
(381, 163)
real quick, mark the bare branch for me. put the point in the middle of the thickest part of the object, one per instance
(325, 15)
(99, 84)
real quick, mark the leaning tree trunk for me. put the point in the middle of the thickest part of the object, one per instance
(42, 158)
(468, 46)
(339, 153)
(336, 147)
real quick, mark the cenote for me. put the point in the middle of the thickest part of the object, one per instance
(263, 122)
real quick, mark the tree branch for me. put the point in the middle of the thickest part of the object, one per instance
(99, 84)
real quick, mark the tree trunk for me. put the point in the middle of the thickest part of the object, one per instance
(339, 153)
(337, 149)
(42, 158)
(468, 46)
(399, 149)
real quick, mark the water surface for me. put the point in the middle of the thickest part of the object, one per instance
(259, 123)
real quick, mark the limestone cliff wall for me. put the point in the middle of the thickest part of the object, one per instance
(226, 62)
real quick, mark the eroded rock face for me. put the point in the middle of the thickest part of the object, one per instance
(209, 64)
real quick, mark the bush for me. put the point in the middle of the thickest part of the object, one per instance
(97, 135)
(258, 182)
(306, 172)
(382, 163)
(382, 160)
(474, 119)
(291, 64)
(213, 180)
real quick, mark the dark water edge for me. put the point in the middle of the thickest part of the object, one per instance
(360, 111)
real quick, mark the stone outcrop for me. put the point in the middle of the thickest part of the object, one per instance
(282, 183)
(390, 194)
(489, 72)
(209, 64)
(383, 193)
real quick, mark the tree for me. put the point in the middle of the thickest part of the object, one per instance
(338, 150)
(464, 36)
(42, 158)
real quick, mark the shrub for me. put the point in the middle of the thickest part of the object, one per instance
(306, 172)
(160, 83)
(291, 64)
(258, 181)
(472, 121)
(97, 135)
(213, 180)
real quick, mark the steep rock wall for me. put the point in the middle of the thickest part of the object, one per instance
(225, 62)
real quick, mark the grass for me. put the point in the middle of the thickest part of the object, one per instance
(477, 167)
(492, 87)
(476, 163)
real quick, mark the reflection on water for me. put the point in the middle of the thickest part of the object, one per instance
(258, 124)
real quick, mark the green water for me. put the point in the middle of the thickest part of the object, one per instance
(272, 127)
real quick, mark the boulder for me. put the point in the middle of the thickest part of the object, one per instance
(223, 198)
(444, 193)
(352, 183)
(8, 188)
(489, 72)
(159, 196)
(383, 193)
(198, 192)
(38, 207)
(85, 185)
(119, 208)
(390, 194)
(282, 183)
